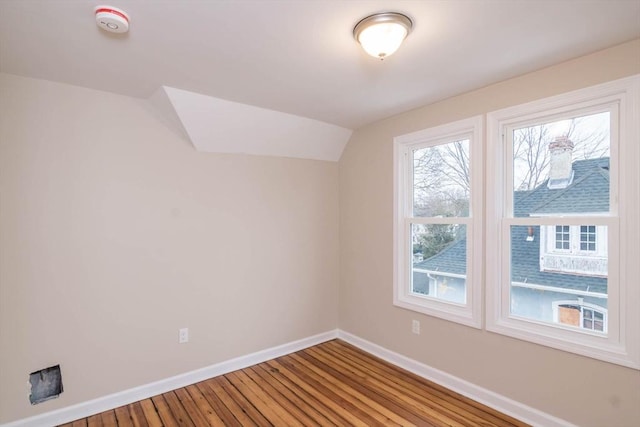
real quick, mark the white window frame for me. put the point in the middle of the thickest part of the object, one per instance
(620, 345)
(470, 313)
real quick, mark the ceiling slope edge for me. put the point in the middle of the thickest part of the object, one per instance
(219, 126)
(163, 109)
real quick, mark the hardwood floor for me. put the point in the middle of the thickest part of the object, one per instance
(332, 383)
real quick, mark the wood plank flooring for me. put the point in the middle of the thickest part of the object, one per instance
(332, 383)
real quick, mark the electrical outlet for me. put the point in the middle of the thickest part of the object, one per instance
(415, 327)
(183, 335)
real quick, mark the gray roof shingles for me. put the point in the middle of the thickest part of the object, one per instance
(589, 192)
(453, 259)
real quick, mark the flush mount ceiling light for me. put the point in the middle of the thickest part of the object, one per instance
(382, 34)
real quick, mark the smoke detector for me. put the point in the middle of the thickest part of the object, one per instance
(112, 19)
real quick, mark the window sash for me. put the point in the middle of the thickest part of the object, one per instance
(470, 312)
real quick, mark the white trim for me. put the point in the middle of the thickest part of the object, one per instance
(469, 313)
(101, 404)
(441, 220)
(562, 220)
(440, 273)
(487, 397)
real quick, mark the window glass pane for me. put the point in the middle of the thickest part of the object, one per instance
(566, 287)
(441, 180)
(562, 167)
(598, 323)
(440, 261)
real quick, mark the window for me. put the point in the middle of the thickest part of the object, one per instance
(592, 319)
(565, 169)
(581, 315)
(438, 243)
(562, 237)
(574, 249)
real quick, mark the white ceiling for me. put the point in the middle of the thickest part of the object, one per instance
(299, 56)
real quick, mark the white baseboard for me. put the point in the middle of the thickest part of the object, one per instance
(472, 391)
(85, 409)
(496, 401)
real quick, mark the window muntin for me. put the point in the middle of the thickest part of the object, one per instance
(438, 185)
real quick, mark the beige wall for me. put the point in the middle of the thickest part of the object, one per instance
(114, 233)
(581, 390)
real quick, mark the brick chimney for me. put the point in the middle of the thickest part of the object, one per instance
(560, 166)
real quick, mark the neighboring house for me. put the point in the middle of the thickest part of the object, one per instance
(558, 272)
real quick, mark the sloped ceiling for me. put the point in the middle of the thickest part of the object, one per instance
(298, 59)
(219, 126)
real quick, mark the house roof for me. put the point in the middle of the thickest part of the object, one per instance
(451, 260)
(525, 266)
(589, 192)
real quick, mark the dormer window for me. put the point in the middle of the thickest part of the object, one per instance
(573, 249)
(573, 239)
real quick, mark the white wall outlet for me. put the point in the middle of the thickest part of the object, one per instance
(183, 335)
(415, 327)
